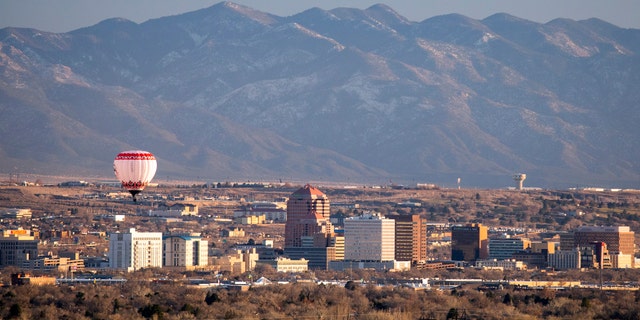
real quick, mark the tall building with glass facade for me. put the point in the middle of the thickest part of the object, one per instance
(504, 248)
(469, 243)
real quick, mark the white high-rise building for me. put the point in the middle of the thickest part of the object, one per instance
(369, 237)
(135, 250)
(185, 250)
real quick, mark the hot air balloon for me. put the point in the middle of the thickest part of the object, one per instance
(135, 169)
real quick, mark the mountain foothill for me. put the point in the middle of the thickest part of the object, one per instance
(229, 92)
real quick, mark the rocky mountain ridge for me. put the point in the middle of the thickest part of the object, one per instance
(228, 92)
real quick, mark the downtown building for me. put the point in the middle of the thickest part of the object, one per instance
(469, 243)
(134, 250)
(308, 232)
(369, 242)
(17, 247)
(188, 251)
(504, 248)
(410, 238)
(619, 240)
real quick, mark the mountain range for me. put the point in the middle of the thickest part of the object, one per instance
(351, 95)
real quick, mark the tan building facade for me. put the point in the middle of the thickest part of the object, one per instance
(410, 238)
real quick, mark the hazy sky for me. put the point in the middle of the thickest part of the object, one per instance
(67, 15)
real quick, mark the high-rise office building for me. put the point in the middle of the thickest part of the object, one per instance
(410, 238)
(469, 243)
(16, 247)
(185, 250)
(308, 232)
(618, 239)
(369, 237)
(135, 250)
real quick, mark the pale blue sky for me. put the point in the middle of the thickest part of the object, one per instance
(66, 15)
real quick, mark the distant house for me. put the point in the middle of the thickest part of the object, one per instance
(232, 233)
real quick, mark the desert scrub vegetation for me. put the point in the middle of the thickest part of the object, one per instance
(142, 300)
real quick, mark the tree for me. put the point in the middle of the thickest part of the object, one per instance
(116, 306)
(507, 299)
(15, 312)
(351, 285)
(452, 314)
(211, 297)
(149, 311)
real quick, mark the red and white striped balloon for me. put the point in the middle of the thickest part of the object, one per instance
(135, 169)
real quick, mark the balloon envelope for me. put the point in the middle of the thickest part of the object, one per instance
(135, 169)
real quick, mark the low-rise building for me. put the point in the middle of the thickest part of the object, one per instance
(391, 265)
(282, 264)
(19, 279)
(232, 233)
(508, 264)
(237, 262)
(175, 210)
(54, 264)
(251, 219)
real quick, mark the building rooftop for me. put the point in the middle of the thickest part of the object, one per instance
(309, 191)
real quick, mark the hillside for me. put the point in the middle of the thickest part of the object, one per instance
(231, 93)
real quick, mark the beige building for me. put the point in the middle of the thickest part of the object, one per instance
(237, 262)
(509, 264)
(287, 265)
(543, 247)
(175, 210)
(337, 241)
(251, 219)
(369, 237)
(232, 233)
(189, 251)
(58, 264)
(135, 250)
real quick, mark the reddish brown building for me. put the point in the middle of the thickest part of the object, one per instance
(308, 231)
(619, 239)
(410, 238)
